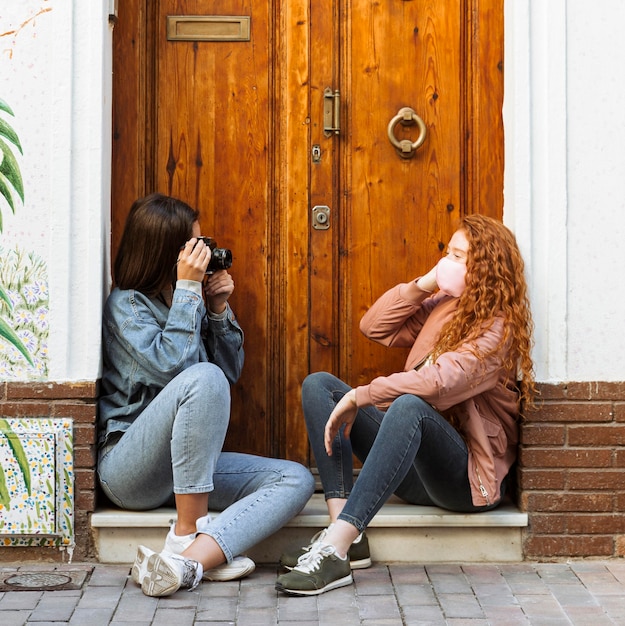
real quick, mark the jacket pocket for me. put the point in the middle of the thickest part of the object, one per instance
(496, 437)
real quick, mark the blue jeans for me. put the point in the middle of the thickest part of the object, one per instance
(410, 450)
(174, 447)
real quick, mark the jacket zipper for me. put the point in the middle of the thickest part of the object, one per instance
(482, 488)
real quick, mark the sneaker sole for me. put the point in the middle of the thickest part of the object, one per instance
(232, 571)
(139, 567)
(341, 582)
(160, 579)
(360, 564)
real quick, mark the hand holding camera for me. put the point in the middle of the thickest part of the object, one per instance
(195, 261)
(219, 285)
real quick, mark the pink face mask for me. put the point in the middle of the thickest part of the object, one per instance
(450, 276)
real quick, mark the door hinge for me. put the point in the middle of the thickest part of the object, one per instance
(331, 112)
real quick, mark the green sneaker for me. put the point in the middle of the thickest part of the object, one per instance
(359, 555)
(289, 559)
(320, 570)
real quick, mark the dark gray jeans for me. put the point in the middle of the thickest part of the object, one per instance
(410, 450)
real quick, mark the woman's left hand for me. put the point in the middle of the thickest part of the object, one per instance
(344, 413)
(218, 287)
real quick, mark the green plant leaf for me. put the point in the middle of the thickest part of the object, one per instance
(5, 192)
(5, 296)
(5, 499)
(7, 131)
(9, 334)
(18, 451)
(10, 168)
(5, 107)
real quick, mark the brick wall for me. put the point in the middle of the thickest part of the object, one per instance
(572, 472)
(78, 402)
(571, 477)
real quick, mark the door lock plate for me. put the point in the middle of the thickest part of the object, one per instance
(321, 217)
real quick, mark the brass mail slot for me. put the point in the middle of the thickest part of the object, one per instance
(208, 28)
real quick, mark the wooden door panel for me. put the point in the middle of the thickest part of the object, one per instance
(230, 127)
(399, 211)
(213, 123)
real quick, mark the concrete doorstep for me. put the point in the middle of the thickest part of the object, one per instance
(399, 533)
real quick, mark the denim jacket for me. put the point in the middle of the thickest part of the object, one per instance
(146, 344)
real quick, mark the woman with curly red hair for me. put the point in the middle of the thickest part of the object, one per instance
(444, 431)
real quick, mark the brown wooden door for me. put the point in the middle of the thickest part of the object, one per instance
(236, 128)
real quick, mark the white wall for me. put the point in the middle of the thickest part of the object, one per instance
(565, 179)
(55, 73)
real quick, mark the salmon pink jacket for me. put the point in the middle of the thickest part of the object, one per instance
(480, 393)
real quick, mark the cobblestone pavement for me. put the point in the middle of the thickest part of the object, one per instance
(587, 593)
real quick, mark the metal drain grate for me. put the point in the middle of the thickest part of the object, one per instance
(54, 580)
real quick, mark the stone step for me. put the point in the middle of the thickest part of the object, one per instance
(400, 532)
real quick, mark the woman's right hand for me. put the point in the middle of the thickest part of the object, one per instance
(428, 281)
(343, 414)
(193, 260)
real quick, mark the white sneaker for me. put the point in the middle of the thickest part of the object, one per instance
(177, 544)
(140, 566)
(166, 573)
(240, 567)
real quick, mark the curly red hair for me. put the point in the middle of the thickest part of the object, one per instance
(495, 286)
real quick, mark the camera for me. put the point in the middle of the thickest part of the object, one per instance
(221, 258)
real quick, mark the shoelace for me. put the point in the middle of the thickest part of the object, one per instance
(316, 539)
(191, 577)
(309, 562)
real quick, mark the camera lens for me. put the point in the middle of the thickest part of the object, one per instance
(221, 259)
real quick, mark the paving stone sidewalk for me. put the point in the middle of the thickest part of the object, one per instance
(585, 593)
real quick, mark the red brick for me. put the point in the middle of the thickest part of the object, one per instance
(596, 391)
(53, 391)
(85, 479)
(619, 458)
(544, 501)
(596, 435)
(574, 412)
(566, 546)
(84, 435)
(78, 411)
(548, 524)
(25, 409)
(538, 434)
(596, 524)
(619, 502)
(536, 479)
(588, 480)
(548, 391)
(556, 457)
(84, 457)
(619, 411)
(85, 501)
(619, 545)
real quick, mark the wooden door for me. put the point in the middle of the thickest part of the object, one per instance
(236, 128)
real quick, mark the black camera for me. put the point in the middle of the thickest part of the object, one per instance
(221, 258)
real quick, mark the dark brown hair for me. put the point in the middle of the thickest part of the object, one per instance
(495, 286)
(156, 228)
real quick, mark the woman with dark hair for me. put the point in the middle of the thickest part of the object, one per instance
(444, 431)
(172, 347)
